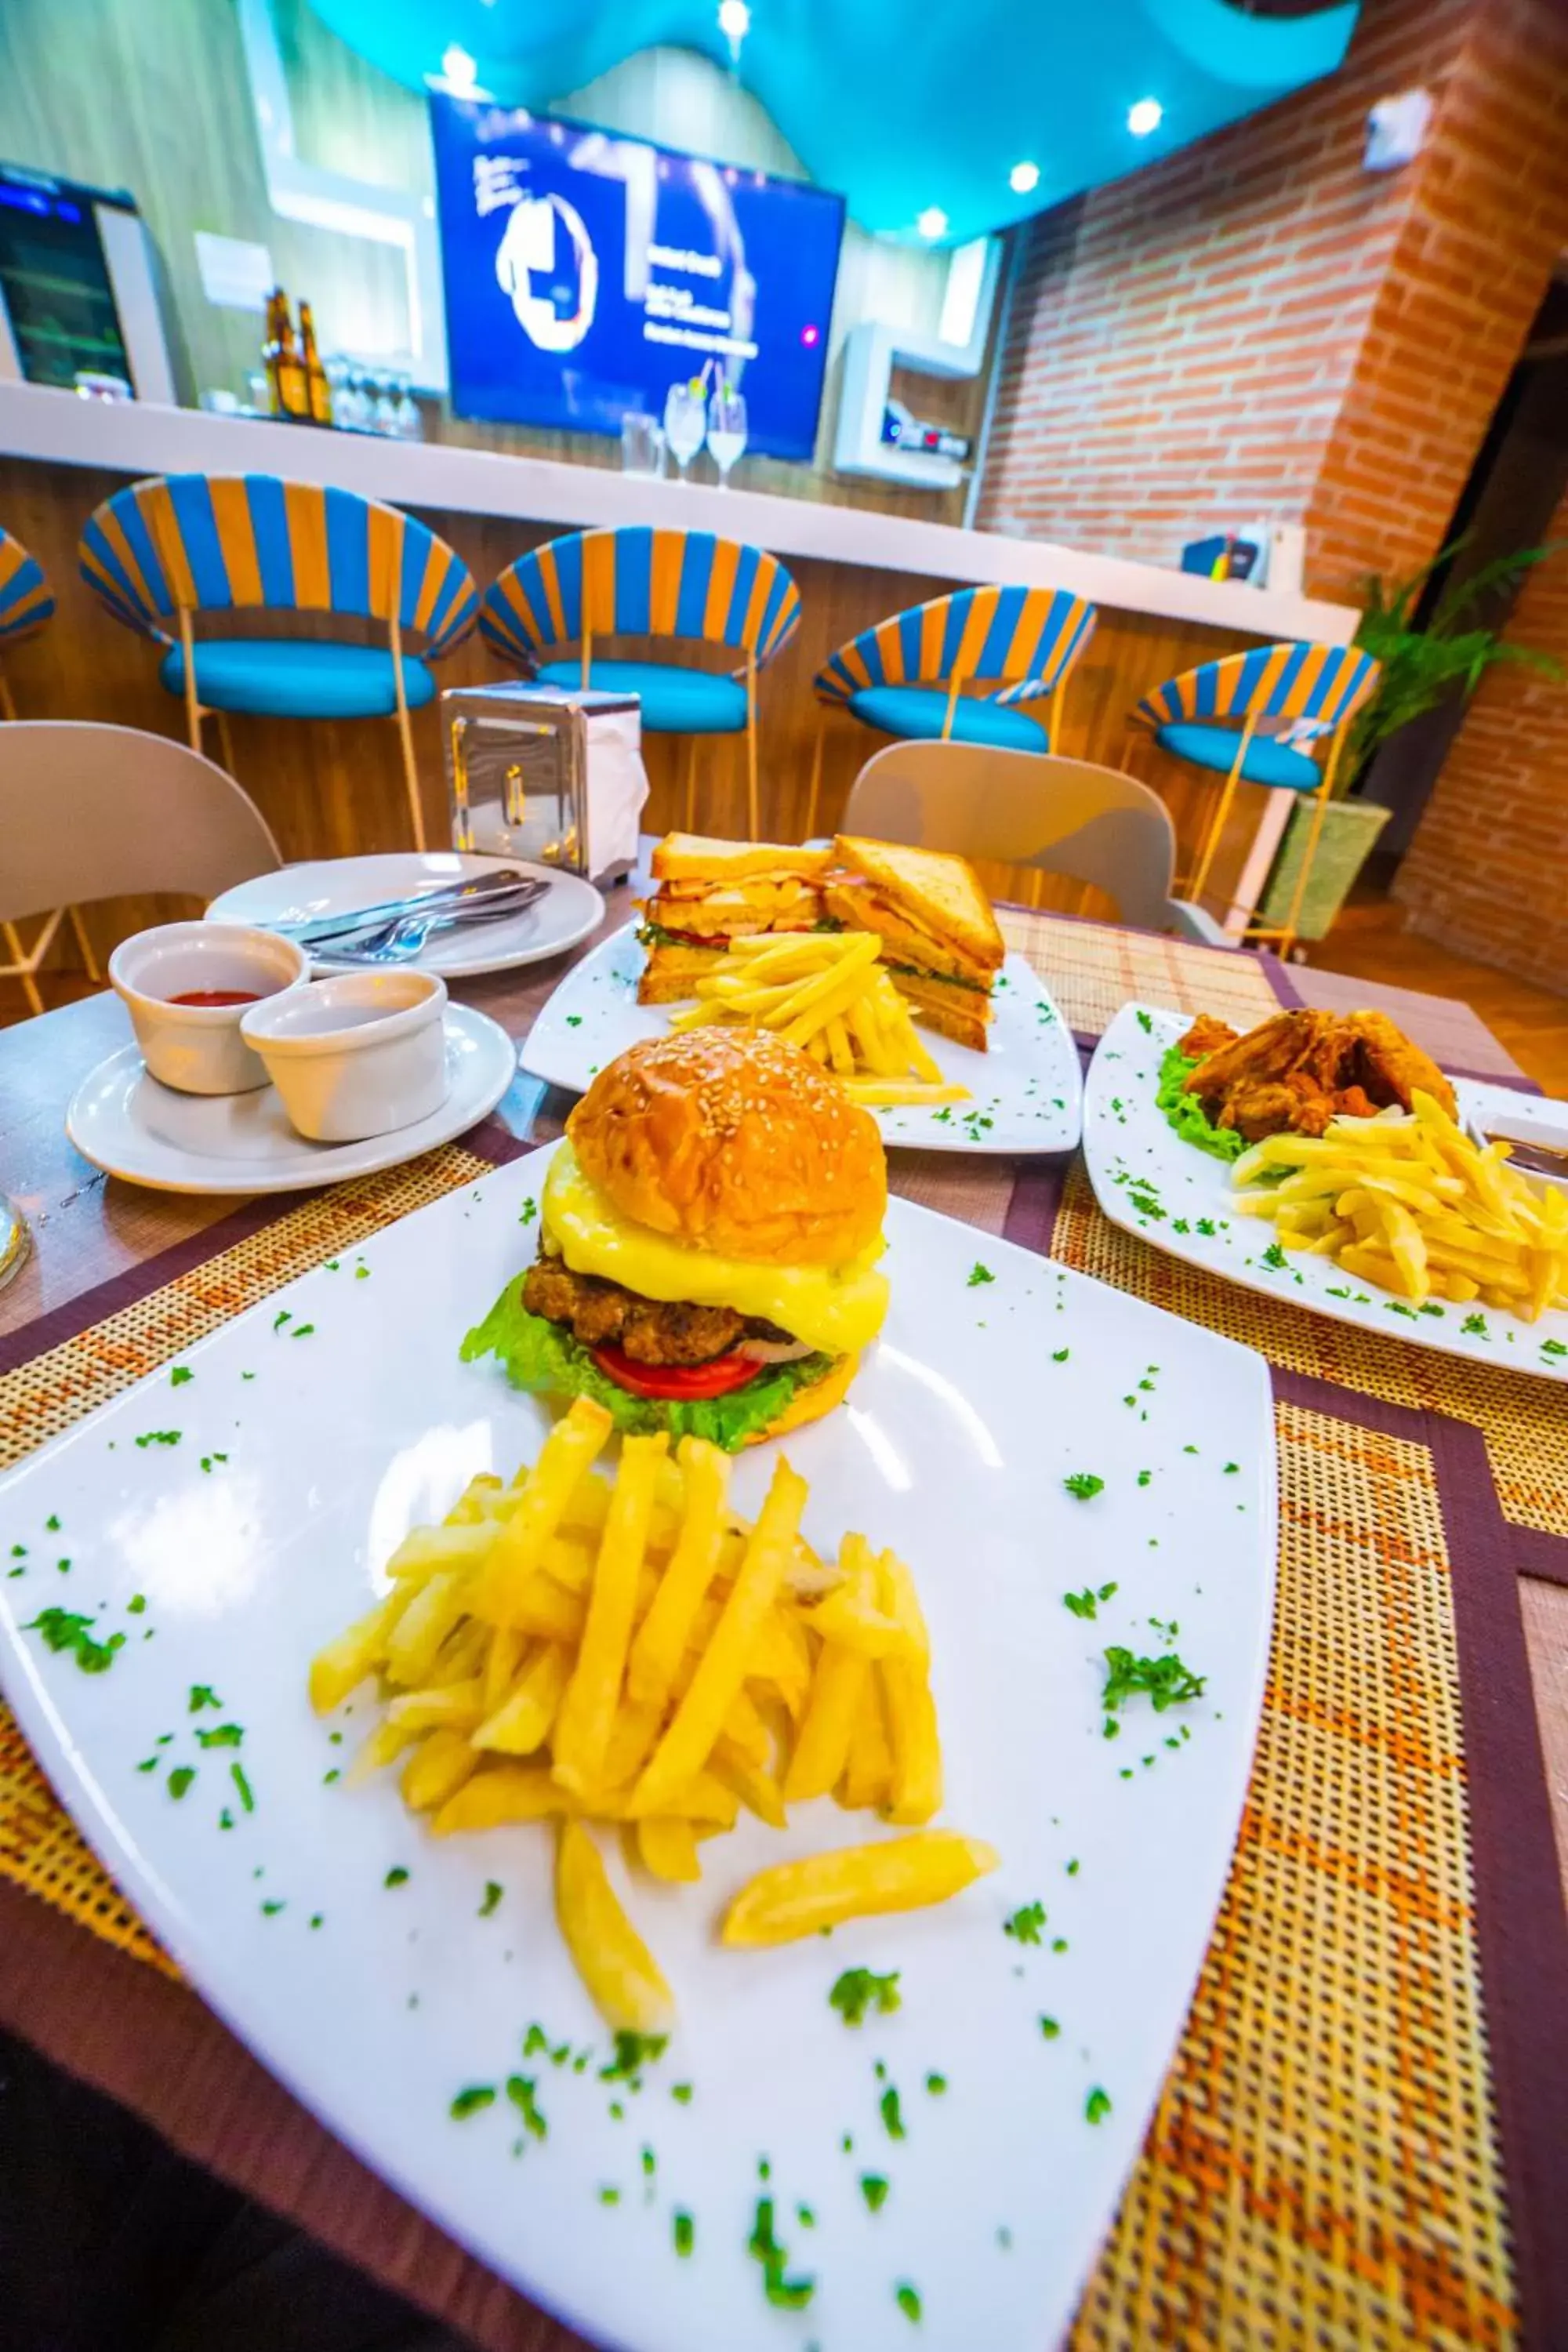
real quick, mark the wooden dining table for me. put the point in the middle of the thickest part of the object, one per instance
(141, 2034)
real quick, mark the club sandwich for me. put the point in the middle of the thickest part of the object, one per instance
(940, 939)
(708, 892)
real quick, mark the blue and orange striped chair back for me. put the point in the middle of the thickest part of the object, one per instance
(1323, 683)
(210, 542)
(26, 603)
(1015, 643)
(641, 583)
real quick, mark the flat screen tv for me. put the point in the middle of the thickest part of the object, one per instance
(585, 273)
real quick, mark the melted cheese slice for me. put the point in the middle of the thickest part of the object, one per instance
(836, 1308)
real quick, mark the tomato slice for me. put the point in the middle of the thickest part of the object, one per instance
(717, 1379)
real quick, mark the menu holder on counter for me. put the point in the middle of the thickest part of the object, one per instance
(547, 773)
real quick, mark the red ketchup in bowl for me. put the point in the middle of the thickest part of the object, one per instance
(207, 996)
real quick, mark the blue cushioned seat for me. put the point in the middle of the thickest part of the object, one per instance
(283, 678)
(917, 712)
(1267, 761)
(675, 701)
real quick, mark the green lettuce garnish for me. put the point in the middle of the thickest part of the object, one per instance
(1187, 1115)
(540, 1357)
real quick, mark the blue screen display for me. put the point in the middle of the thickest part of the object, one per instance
(585, 273)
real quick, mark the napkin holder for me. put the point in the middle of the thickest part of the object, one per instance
(548, 773)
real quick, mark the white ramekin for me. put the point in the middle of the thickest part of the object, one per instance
(357, 1054)
(198, 1048)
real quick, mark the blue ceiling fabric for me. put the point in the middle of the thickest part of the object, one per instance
(900, 110)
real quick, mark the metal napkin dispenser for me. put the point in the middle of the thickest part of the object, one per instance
(545, 772)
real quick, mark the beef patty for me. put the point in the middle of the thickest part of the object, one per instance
(602, 1314)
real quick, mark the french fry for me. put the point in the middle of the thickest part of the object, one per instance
(436, 1770)
(477, 1500)
(869, 1767)
(503, 1662)
(502, 1794)
(756, 1789)
(612, 1959)
(457, 1705)
(799, 1898)
(882, 1094)
(667, 1849)
(425, 1550)
(588, 1709)
(661, 1638)
(424, 1624)
(522, 1722)
(821, 1748)
(688, 1741)
(338, 1670)
(915, 1788)
(568, 1453)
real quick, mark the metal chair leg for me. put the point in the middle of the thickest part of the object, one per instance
(226, 743)
(1298, 898)
(691, 784)
(815, 792)
(410, 771)
(84, 945)
(1193, 890)
(24, 970)
(752, 812)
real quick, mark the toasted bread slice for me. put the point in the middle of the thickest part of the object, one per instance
(786, 904)
(961, 1013)
(673, 973)
(701, 857)
(940, 893)
(859, 908)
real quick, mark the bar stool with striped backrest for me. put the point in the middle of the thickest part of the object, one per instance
(25, 604)
(197, 547)
(662, 585)
(1245, 717)
(906, 677)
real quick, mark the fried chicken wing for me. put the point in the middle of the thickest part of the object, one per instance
(1301, 1070)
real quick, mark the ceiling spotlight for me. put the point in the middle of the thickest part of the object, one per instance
(734, 23)
(1145, 116)
(1024, 178)
(932, 222)
(459, 70)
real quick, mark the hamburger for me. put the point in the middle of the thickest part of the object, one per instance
(709, 892)
(709, 1236)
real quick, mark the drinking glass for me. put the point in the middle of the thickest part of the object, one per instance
(685, 423)
(726, 429)
(642, 444)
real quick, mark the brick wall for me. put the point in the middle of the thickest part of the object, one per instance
(1487, 873)
(1258, 326)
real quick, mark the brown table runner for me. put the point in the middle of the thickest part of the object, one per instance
(1360, 2139)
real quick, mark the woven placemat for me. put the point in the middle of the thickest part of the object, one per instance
(1092, 970)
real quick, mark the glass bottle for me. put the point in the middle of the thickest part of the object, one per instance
(318, 391)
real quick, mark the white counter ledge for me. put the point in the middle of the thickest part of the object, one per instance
(136, 438)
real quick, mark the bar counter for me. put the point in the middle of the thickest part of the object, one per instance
(328, 789)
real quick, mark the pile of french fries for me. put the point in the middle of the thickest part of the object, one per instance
(575, 1649)
(1411, 1203)
(825, 990)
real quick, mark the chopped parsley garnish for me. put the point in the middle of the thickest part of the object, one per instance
(180, 1375)
(270, 1910)
(285, 1315)
(303, 1331)
(1145, 1022)
(136, 1605)
(1166, 1680)
(936, 2085)
(891, 2117)
(1025, 1923)
(1060, 1355)
(395, 1876)
(874, 2189)
(610, 2196)
(529, 1210)
(1082, 1605)
(470, 2102)
(1548, 1347)
(493, 1892)
(784, 2293)
(202, 1694)
(62, 1630)
(1049, 2028)
(859, 1993)
(520, 2090)
(909, 2303)
(1273, 1258)
(681, 2093)
(1084, 1486)
(1097, 2106)
(236, 1774)
(683, 2230)
(535, 2038)
(1474, 1326)
(1206, 1227)
(1145, 1203)
(53, 1523)
(633, 2052)
(160, 1437)
(180, 1778)
(362, 1273)
(649, 2163)
(222, 1734)
(979, 1273)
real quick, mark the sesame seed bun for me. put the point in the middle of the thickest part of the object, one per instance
(733, 1141)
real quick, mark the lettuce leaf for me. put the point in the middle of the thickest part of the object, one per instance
(1187, 1115)
(540, 1357)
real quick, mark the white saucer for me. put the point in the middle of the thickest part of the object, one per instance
(126, 1123)
(570, 911)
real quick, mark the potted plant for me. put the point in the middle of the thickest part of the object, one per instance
(1424, 662)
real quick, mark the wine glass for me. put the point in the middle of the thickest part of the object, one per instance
(685, 422)
(726, 427)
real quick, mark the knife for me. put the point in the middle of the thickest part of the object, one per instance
(508, 883)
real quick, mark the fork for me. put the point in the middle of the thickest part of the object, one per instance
(402, 938)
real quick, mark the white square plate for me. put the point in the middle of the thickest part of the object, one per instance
(1026, 1092)
(1151, 1181)
(228, 1522)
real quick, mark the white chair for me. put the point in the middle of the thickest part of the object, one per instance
(1028, 809)
(92, 812)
